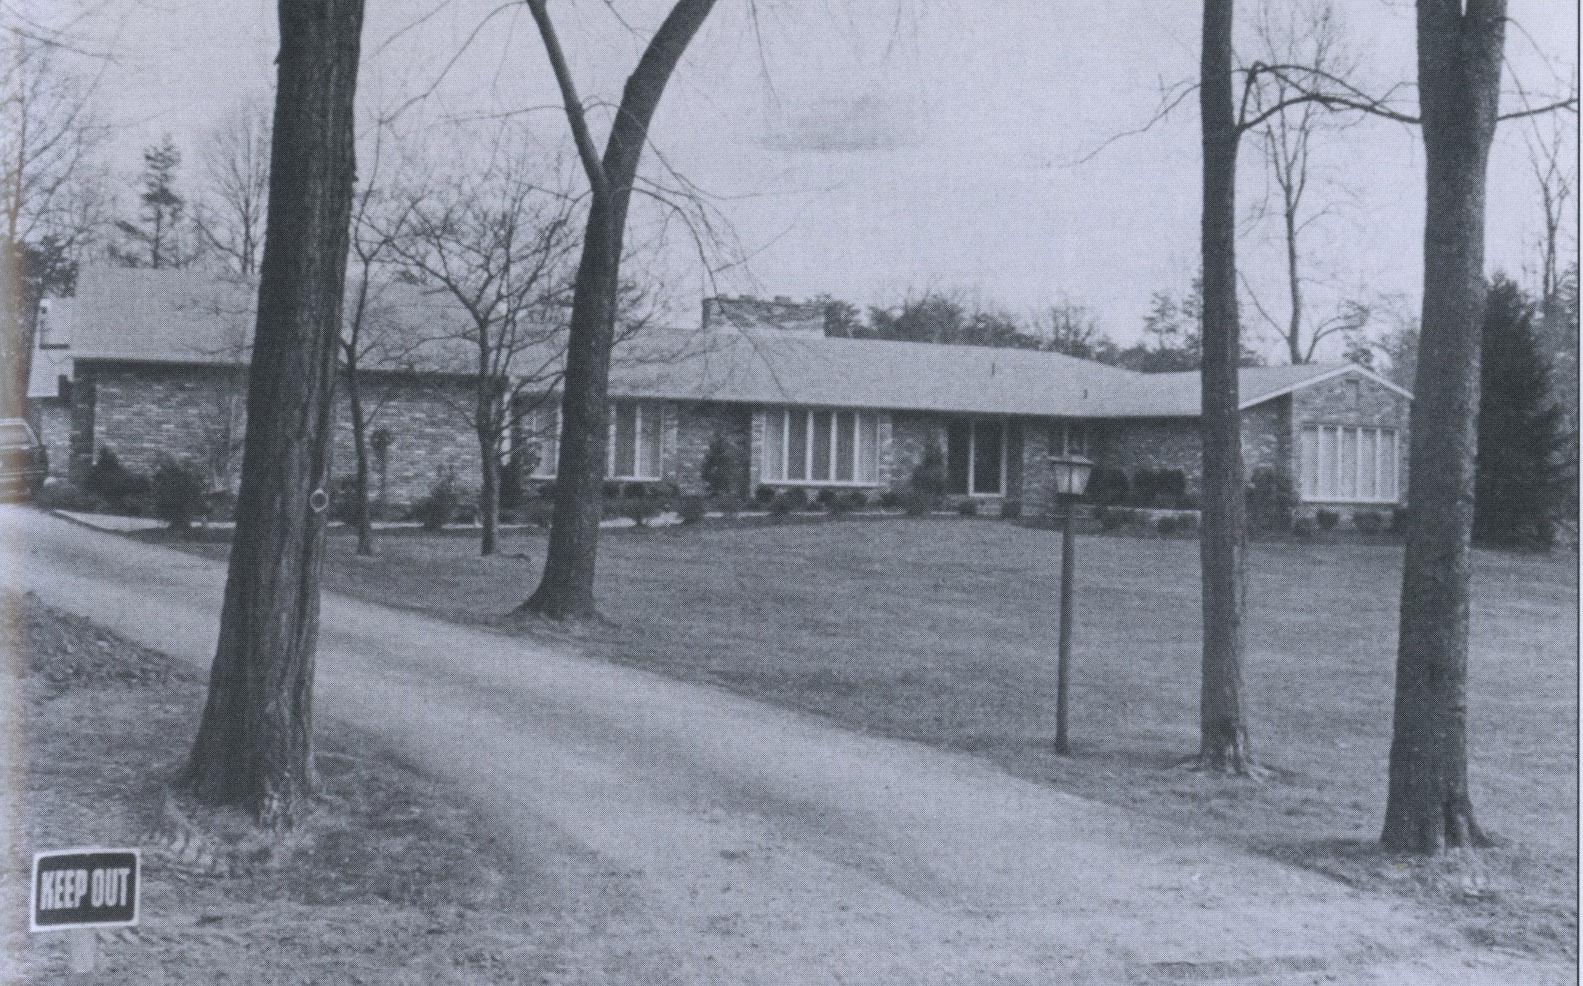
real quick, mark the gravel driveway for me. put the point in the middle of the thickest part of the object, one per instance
(676, 833)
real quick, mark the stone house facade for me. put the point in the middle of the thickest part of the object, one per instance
(791, 408)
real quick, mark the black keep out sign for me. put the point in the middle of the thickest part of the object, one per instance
(84, 888)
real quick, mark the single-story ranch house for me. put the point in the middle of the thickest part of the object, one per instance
(151, 364)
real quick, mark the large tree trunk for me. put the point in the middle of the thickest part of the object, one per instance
(365, 519)
(1222, 718)
(1459, 70)
(254, 745)
(567, 587)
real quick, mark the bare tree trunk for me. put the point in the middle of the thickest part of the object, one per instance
(567, 587)
(254, 745)
(365, 519)
(1294, 286)
(1222, 718)
(488, 490)
(1459, 69)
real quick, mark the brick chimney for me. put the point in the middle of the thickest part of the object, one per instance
(749, 314)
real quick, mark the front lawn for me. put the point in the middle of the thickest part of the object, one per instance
(943, 631)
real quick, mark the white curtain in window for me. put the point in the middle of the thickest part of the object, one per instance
(543, 427)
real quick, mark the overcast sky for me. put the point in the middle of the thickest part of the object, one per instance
(866, 149)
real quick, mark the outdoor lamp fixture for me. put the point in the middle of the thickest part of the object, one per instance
(1071, 479)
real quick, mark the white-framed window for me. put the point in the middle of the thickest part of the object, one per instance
(541, 433)
(821, 447)
(633, 447)
(975, 456)
(1349, 463)
(1068, 437)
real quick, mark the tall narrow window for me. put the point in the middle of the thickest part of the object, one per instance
(635, 437)
(868, 448)
(1347, 463)
(845, 446)
(796, 446)
(542, 437)
(774, 445)
(820, 457)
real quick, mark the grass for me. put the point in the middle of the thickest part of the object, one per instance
(389, 880)
(943, 632)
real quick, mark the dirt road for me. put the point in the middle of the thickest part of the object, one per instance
(673, 833)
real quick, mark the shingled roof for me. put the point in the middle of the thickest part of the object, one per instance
(197, 317)
(187, 317)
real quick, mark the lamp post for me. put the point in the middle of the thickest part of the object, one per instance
(1071, 479)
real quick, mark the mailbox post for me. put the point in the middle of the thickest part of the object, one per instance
(1071, 479)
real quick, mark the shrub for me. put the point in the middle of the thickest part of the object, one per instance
(1159, 487)
(892, 500)
(1107, 486)
(728, 504)
(513, 493)
(178, 495)
(220, 505)
(69, 496)
(1369, 521)
(781, 503)
(1399, 520)
(1327, 519)
(1537, 535)
(1113, 518)
(692, 509)
(1011, 508)
(967, 508)
(1303, 527)
(640, 508)
(344, 506)
(439, 507)
(122, 489)
(538, 512)
(1270, 500)
(918, 503)
(806, 500)
(847, 502)
(826, 497)
(722, 466)
(1168, 525)
(610, 489)
(928, 476)
(764, 495)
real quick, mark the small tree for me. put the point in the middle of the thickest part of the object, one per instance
(498, 242)
(1519, 475)
(158, 237)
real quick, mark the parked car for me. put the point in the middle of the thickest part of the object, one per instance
(23, 460)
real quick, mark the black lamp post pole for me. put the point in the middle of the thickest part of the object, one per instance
(1064, 644)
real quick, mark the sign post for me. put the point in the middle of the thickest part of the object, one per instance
(79, 890)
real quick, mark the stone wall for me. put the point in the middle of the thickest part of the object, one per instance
(1175, 443)
(1267, 441)
(911, 433)
(51, 419)
(1353, 399)
(687, 446)
(1157, 443)
(197, 415)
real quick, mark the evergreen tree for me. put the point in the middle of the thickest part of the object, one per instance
(1519, 473)
(158, 237)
